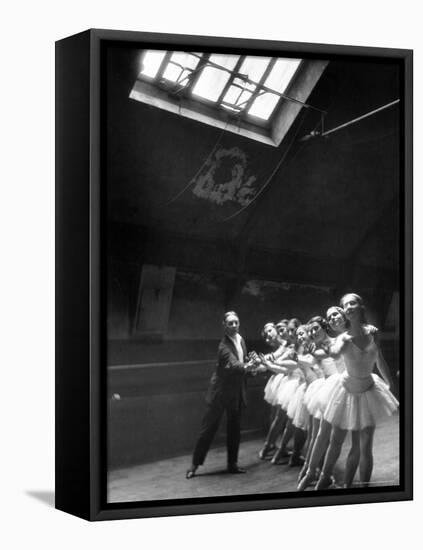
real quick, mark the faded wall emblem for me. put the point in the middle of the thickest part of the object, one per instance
(225, 177)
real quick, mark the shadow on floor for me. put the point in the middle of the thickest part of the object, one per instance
(46, 497)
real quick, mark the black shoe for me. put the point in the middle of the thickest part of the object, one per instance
(235, 469)
(190, 472)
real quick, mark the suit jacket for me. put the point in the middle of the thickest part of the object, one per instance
(228, 383)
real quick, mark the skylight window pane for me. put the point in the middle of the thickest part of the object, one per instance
(232, 95)
(281, 74)
(226, 61)
(151, 62)
(212, 79)
(263, 106)
(245, 96)
(180, 65)
(236, 96)
(254, 67)
(211, 83)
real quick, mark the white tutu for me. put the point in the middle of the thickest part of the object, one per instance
(311, 397)
(297, 410)
(295, 401)
(286, 391)
(353, 403)
(270, 390)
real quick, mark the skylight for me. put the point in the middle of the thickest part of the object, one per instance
(251, 85)
(258, 97)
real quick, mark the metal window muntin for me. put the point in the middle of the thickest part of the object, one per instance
(224, 108)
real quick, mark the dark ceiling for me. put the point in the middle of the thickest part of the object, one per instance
(328, 207)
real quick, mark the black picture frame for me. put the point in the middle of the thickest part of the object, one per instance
(81, 408)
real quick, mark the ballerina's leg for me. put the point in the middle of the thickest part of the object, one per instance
(314, 425)
(287, 434)
(366, 456)
(319, 449)
(337, 439)
(308, 442)
(353, 459)
(299, 441)
(277, 427)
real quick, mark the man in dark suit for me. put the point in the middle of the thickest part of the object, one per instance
(226, 393)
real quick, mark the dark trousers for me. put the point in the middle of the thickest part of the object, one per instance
(210, 426)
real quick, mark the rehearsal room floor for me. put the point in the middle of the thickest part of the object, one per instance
(166, 478)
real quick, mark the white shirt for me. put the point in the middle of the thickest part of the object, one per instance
(237, 341)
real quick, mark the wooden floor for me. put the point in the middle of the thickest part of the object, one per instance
(166, 479)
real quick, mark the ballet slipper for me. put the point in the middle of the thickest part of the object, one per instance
(306, 481)
(266, 451)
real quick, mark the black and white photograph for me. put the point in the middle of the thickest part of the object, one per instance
(211, 266)
(254, 257)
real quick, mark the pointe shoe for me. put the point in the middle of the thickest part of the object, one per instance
(267, 452)
(306, 481)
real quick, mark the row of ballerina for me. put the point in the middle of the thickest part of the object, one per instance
(322, 386)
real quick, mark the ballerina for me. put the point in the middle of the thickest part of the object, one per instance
(338, 324)
(357, 399)
(282, 328)
(297, 410)
(285, 395)
(278, 345)
(326, 366)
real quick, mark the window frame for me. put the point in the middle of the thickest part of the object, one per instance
(156, 92)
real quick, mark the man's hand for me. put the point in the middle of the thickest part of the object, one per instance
(253, 356)
(249, 366)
